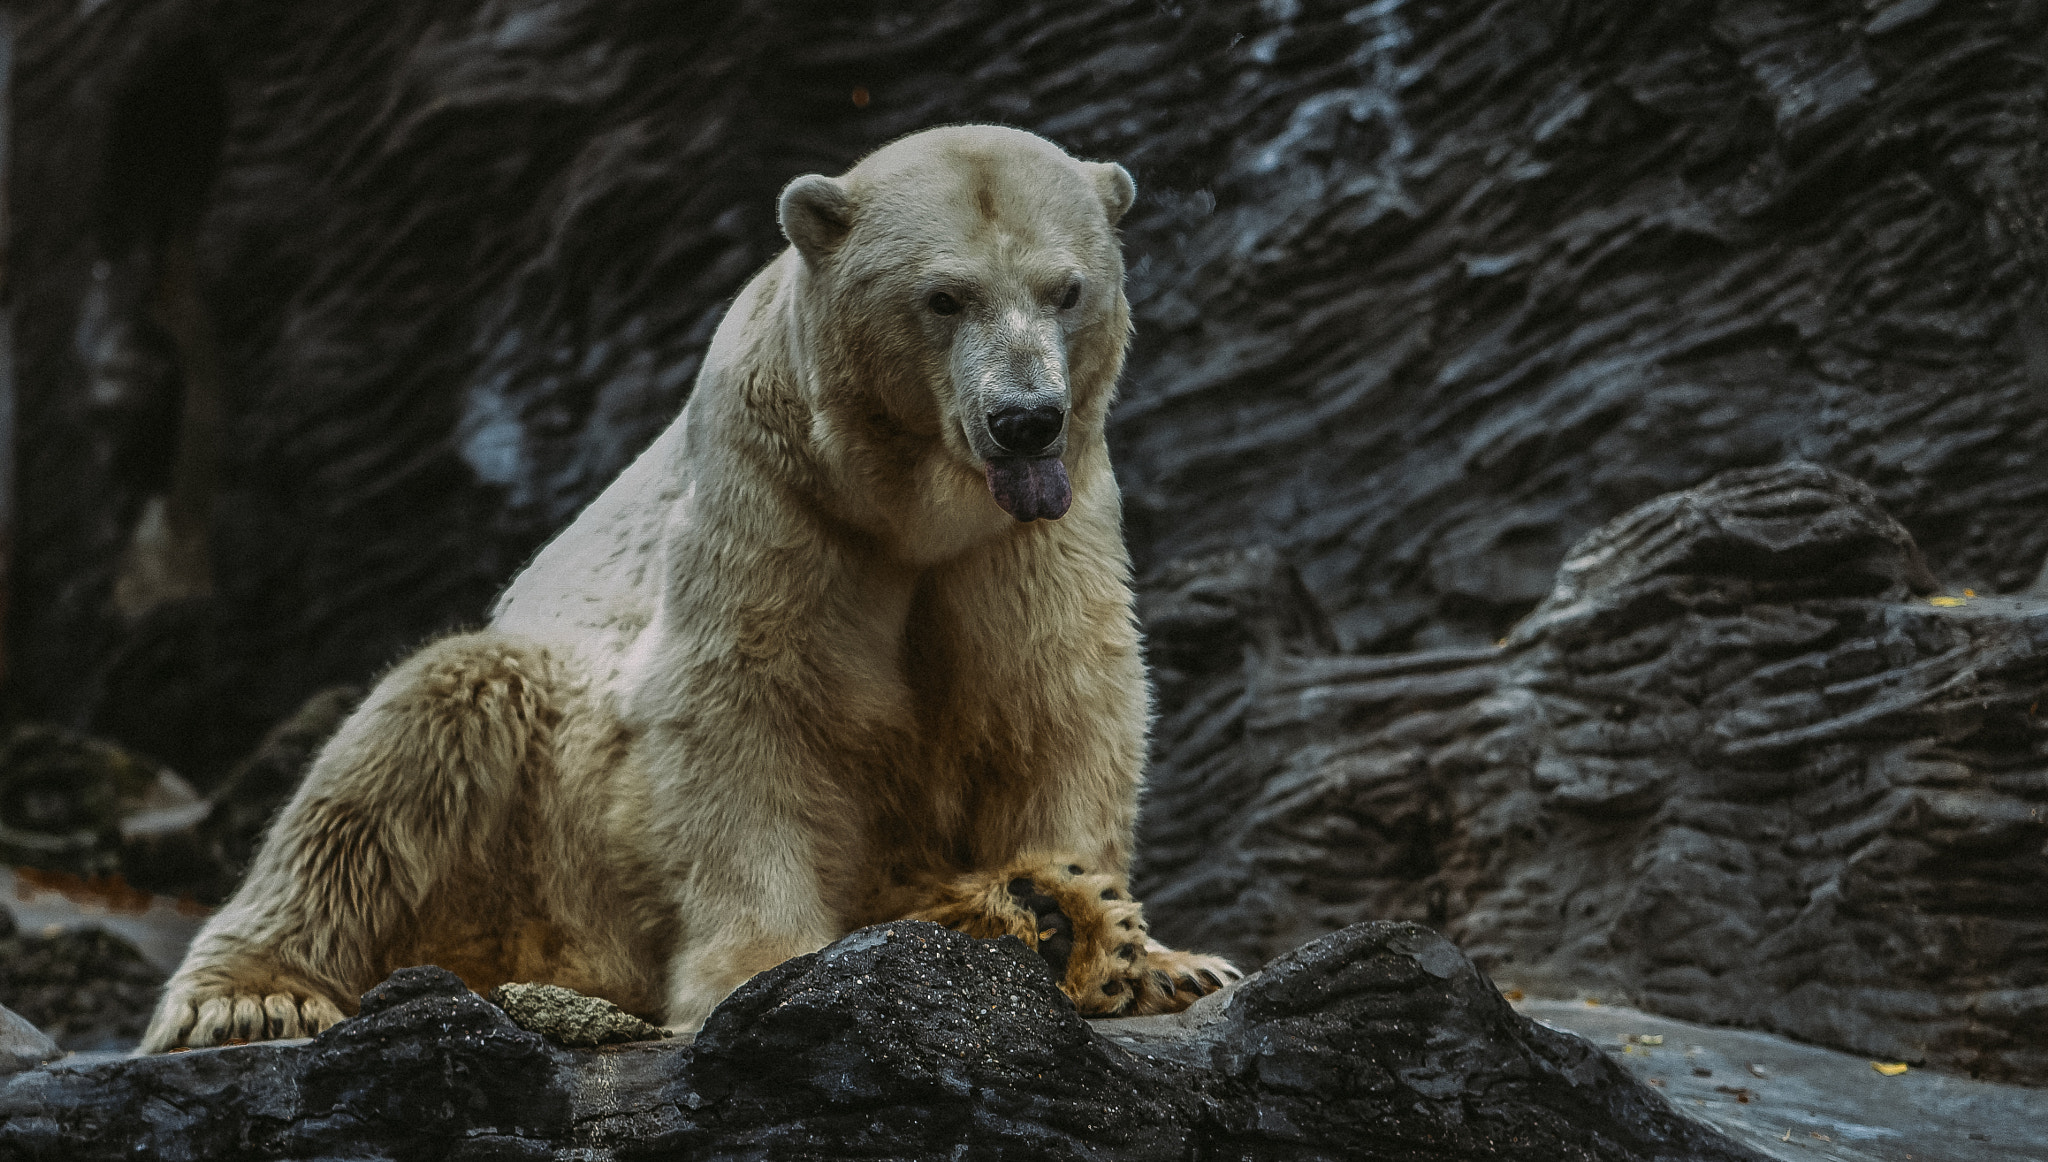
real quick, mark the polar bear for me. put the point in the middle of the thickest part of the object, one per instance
(851, 641)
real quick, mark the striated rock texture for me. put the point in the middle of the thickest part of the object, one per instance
(22, 1045)
(83, 807)
(327, 314)
(1735, 768)
(88, 990)
(905, 1041)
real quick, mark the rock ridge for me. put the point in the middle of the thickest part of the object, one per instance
(903, 1040)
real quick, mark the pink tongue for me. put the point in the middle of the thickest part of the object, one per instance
(1030, 489)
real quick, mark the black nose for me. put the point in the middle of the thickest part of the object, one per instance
(1026, 431)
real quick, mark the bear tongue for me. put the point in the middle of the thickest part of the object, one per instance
(1030, 489)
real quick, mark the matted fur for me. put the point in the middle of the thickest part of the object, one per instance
(793, 672)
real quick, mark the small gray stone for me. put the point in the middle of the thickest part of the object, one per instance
(570, 1018)
(22, 1045)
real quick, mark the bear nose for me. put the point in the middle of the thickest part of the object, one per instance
(1026, 431)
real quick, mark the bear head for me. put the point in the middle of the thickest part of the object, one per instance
(962, 319)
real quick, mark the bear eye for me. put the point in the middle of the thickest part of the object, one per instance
(943, 304)
(1072, 296)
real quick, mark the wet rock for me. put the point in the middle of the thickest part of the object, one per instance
(911, 1024)
(85, 807)
(1211, 613)
(22, 1045)
(1798, 1102)
(905, 1041)
(69, 802)
(567, 1017)
(1738, 767)
(88, 989)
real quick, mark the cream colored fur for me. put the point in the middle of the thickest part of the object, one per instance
(791, 669)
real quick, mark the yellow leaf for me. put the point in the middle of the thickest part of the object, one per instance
(1650, 1039)
(1889, 1068)
(1969, 593)
(1945, 602)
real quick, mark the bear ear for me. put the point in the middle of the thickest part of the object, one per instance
(1114, 183)
(816, 213)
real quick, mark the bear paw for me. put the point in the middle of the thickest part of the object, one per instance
(1089, 930)
(231, 1009)
(1174, 980)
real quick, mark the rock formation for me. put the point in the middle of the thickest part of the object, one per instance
(904, 1041)
(1736, 767)
(22, 1045)
(87, 989)
(324, 315)
(327, 314)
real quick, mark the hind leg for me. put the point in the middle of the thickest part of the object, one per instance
(415, 788)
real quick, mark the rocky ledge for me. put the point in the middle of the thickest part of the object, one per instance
(1747, 764)
(905, 1041)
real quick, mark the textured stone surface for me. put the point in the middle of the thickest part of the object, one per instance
(64, 797)
(85, 807)
(1802, 1103)
(22, 1045)
(567, 1017)
(903, 1041)
(1424, 291)
(87, 988)
(326, 314)
(1736, 767)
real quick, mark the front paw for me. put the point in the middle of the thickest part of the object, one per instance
(1088, 929)
(1174, 980)
(1090, 932)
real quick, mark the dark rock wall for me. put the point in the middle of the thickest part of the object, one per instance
(86, 989)
(1504, 271)
(328, 314)
(1734, 768)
